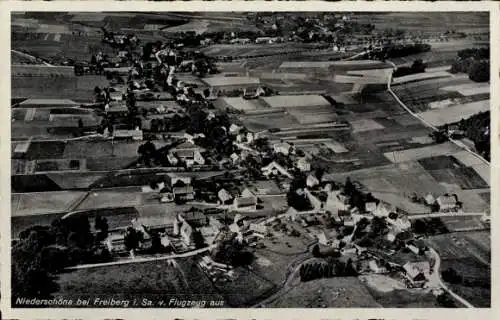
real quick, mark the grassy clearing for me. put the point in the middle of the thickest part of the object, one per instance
(151, 280)
(330, 293)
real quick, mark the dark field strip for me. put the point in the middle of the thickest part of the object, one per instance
(466, 178)
(439, 163)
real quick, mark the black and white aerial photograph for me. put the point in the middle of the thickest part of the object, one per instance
(250, 160)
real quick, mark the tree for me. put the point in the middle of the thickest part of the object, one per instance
(198, 239)
(479, 71)
(315, 251)
(132, 239)
(30, 276)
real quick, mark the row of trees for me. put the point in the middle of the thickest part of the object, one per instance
(43, 251)
(418, 66)
(331, 268)
(475, 62)
(402, 50)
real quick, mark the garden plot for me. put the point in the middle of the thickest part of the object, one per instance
(447, 148)
(402, 202)
(455, 113)
(43, 202)
(365, 125)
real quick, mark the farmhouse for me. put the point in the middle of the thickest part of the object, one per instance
(303, 165)
(312, 181)
(184, 193)
(189, 153)
(417, 272)
(446, 203)
(247, 199)
(283, 148)
(276, 169)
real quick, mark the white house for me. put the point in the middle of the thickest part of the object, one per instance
(172, 159)
(282, 147)
(234, 129)
(312, 181)
(234, 158)
(247, 199)
(224, 196)
(446, 203)
(303, 165)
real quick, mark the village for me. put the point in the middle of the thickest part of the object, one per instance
(183, 155)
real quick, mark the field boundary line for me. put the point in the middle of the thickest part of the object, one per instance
(401, 103)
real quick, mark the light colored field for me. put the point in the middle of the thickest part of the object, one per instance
(313, 117)
(360, 80)
(467, 158)
(306, 64)
(403, 179)
(438, 69)
(484, 171)
(296, 101)
(53, 28)
(334, 292)
(420, 76)
(470, 85)
(454, 113)
(382, 283)
(482, 239)
(89, 17)
(474, 91)
(365, 125)
(283, 76)
(344, 98)
(335, 146)
(472, 202)
(447, 148)
(219, 81)
(112, 199)
(239, 103)
(458, 224)
(47, 102)
(24, 204)
(372, 72)
(401, 202)
(198, 26)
